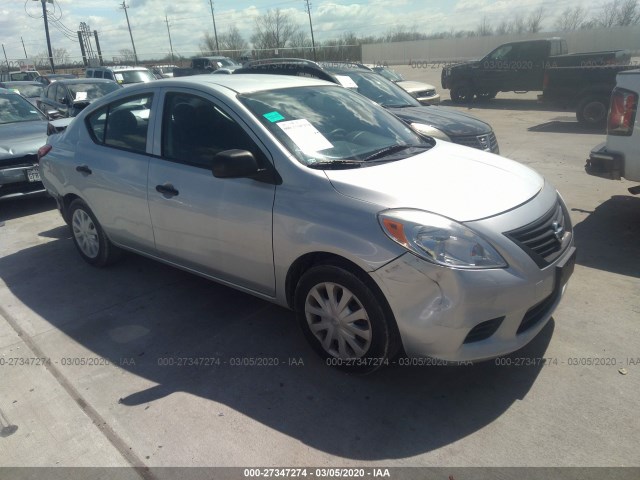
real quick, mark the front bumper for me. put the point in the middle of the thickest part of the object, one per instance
(469, 315)
(605, 164)
(432, 100)
(19, 179)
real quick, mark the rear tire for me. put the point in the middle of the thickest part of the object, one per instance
(89, 237)
(344, 321)
(592, 111)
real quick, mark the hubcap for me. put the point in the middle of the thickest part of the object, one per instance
(338, 320)
(85, 233)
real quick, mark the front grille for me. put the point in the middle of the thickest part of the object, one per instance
(425, 93)
(543, 240)
(25, 161)
(487, 141)
(483, 330)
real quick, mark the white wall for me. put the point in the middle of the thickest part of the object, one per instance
(401, 53)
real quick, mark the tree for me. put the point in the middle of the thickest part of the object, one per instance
(273, 30)
(127, 55)
(628, 13)
(571, 19)
(503, 28)
(484, 28)
(229, 43)
(534, 20)
(518, 25)
(60, 56)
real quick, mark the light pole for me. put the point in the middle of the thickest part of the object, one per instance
(215, 33)
(313, 42)
(135, 55)
(46, 31)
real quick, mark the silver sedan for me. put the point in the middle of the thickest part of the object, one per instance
(384, 241)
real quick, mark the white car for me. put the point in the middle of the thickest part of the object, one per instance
(619, 156)
(423, 92)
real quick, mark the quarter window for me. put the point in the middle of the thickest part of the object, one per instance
(122, 124)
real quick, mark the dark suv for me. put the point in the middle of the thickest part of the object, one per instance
(434, 121)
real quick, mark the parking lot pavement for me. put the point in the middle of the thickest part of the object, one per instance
(150, 366)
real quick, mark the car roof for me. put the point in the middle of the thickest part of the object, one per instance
(21, 82)
(244, 83)
(74, 81)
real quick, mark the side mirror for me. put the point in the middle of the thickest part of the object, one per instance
(235, 164)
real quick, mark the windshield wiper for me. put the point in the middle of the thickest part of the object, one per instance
(392, 149)
(335, 164)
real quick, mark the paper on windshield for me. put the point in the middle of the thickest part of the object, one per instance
(119, 77)
(346, 81)
(81, 95)
(305, 135)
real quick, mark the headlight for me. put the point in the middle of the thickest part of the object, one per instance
(439, 240)
(430, 131)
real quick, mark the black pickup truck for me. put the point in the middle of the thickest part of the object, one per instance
(520, 67)
(205, 65)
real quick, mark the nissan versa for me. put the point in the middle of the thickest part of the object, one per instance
(311, 196)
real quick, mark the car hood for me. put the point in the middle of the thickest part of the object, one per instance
(451, 122)
(22, 138)
(411, 86)
(457, 182)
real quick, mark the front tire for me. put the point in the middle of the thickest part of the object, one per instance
(592, 111)
(343, 320)
(89, 237)
(461, 93)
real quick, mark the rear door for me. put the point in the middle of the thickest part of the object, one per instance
(111, 169)
(221, 227)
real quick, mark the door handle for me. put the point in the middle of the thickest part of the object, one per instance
(167, 189)
(83, 169)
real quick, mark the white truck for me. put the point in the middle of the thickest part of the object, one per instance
(619, 156)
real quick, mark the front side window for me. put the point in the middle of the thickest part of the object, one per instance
(332, 125)
(122, 124)
(194, 130)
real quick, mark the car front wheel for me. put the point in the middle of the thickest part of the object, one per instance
(89, 237)
(343, 320)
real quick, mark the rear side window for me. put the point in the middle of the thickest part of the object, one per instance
(122, 124)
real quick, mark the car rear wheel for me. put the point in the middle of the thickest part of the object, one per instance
(592, 111)
(89, 237)
(343, 320)
(461, 93)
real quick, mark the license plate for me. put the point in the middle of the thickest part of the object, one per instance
(565, 268)
(33, 175)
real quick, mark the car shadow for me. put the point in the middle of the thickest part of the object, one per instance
(507, 104)
(145, 312)
(22, 206)
(559, 126)
(607, 239)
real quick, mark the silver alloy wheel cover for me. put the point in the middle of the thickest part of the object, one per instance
(337, 318)
(85, 233)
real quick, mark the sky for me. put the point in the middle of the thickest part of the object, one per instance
(21, 20)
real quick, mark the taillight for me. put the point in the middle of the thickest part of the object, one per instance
(43, 150)
(622, 112)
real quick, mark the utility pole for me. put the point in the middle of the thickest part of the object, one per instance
(135, 55)
(215, 32)
(46, 31)
(24, 48)
(6, 59)
(313, 42)
(169, 32)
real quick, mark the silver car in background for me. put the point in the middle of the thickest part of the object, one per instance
(311, 196)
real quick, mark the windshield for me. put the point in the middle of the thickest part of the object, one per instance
(377, 88)
(324, 125)
(91, 91)
(29, 91)
(14, 108)
(389, 74)
(134, 76)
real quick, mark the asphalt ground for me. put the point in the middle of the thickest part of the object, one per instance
(144, 365)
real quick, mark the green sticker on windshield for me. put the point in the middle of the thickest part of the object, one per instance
(273, 116)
